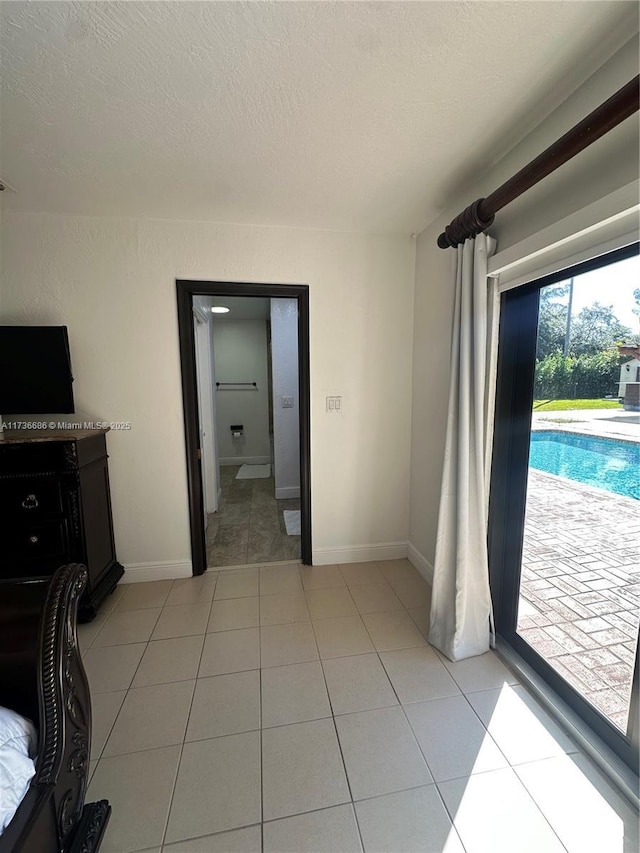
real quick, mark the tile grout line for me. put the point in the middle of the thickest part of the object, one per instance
(401, 705)
(219, 834)
(130, 683)
(405, 716)
(260, 717)
(510, 767)
(105, 621)
(179, 762)
(333, 717)
(113, 725)
(106, 740)
(249, 526)
(448, 813)
(335, 729)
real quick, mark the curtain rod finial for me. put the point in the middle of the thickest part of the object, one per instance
(479, 215)
(469, 223)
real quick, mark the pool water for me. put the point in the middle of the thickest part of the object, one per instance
(601, 462)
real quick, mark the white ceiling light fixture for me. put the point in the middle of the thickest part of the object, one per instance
(219, 309)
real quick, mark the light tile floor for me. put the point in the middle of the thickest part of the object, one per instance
(299, 709)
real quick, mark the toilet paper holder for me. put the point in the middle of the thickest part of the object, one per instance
(237, 430)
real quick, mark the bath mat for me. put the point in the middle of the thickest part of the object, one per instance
(292, 521)
(253, 472)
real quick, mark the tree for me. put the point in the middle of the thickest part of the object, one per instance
(552, 319)
(595, 329)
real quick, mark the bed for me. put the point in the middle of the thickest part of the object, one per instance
(42, 679)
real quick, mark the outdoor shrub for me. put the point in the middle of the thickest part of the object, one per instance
(584, 377)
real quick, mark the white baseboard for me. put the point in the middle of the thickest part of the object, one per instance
(141, 572)
(421, 563)
(287, 493)
(359, 553)
(245, 460)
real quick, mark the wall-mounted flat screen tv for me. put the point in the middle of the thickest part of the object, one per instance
(35, 370)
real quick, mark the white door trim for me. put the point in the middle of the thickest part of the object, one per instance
(205, 413)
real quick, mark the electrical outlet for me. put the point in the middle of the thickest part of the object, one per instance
(334, 404)
(287, 402)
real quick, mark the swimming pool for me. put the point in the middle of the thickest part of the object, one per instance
(601, 462)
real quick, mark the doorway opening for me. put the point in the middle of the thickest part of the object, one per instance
(245, 383)
(565, 504)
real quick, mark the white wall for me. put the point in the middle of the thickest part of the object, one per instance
(240, 355)
(284, 365)
(607, 165)
(100, 276)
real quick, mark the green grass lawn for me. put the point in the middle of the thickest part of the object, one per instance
(565, 405)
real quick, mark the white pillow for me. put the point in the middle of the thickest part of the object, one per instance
(18, 733)
(16, 772)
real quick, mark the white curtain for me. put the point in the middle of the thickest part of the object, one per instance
(461, 623)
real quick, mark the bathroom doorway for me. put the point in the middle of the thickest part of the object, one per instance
(251, 416)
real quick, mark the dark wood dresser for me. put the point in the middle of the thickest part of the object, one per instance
(55, 508)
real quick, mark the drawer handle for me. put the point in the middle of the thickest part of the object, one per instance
(34, 540)
(30, 502)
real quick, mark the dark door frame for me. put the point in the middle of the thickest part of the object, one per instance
(186, 290)
(514, 399)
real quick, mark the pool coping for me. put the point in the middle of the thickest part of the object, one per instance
(633, 502)
(625, 439)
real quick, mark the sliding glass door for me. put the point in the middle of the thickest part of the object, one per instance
(565, 495)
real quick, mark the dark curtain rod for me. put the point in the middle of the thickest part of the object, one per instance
(480, 215)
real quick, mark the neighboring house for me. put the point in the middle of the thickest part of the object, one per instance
(629, 374)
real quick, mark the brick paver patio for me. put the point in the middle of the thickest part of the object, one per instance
(580, 589)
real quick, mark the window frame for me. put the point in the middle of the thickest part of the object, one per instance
(519, 309)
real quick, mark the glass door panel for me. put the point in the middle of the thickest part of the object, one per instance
(566, 485)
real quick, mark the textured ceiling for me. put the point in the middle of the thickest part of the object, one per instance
(340, 115)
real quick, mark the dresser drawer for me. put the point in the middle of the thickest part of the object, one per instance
(26, 498)
(38, 542)
(55, 508)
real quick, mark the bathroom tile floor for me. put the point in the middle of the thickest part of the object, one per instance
(249, 525)
(295, 708)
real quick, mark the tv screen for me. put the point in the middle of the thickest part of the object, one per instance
(35, 370)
